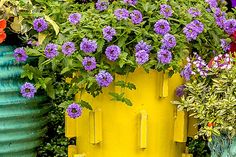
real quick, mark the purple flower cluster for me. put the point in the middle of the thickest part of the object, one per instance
(212, 3)
(28, 90)
(219, 17)
(180, 91)
(164, 56)
(225, 45)
(222, 62)
(101, 5)
(74, 18)
(200, 65)
(168, 41)
(131, 2)
(193, 29)
(108, 33)
(162, 27)
(187, 72)
(141, 57)
(121, 14)
(136, 17)
(74, 110)
(143, 46)
(68, 48)
(166, 10)
(113, 52)
(89, 63)
(20, 54)
(88, 46)
(40, 25)
(230, 26)
(194, 12)
(104, 78)
(51, 50)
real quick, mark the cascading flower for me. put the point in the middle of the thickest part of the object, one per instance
(88, 46)
(179, 92)
(162, 27)
(131, 2)
(164, 56)
(121, 14)
(143, 46)
(230, 26)
(89, 63)
(51, 50)
(40, 25)
(20, 54)
(193, 29)
(136, 17)
(187, 72)
(101, 5)
(168, 41)
(112, 52)
(74, 110)
(212, 3)
(108, 33)
(74, 18)
(219, 17)
(142, 57)
(104, 78)
(194, 12)
(28, 90)
(225, 45)
(166, 10)
(68, 48)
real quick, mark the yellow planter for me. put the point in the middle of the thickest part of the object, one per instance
(145, 129)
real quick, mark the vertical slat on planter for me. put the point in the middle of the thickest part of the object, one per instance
(143, 129)
(180, 127)
(164, 85)
(95, 122)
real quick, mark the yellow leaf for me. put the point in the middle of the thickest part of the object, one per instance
(53, 23)
(41, 38)
(16, 24)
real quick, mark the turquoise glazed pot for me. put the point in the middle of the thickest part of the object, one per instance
(22, 121)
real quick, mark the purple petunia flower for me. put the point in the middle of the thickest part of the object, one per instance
(112, 52)
(180, 91)
(121, 14)
(143, 46)
(162, 27)
(101, 5)
(225, 45)
(28, 90)
(40, 25)
(20, 54)
(187, 72)
(136, 17)
(108, 33)
(74, 110)
(74, 18)
(141, 57)
(168, 41)
(194, 12)
(219, 17)
(193, 29)
(104, 78)
(88, 46)
(230, 26)
(222, 62)
(212, 3)
(164, 56)
(51, 50)
(89, 63)
(131, 2)
(166, 10)
(68, 48)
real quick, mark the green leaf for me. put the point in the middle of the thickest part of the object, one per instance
(66, 69)
(85, 104)
(53, 23)
(50, 91)
(127, 102)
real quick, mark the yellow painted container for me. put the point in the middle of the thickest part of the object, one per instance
(149, 128)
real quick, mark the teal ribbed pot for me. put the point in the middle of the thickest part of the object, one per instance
(22, 121)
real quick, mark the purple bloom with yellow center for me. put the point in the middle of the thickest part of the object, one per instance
(121, 14)
(104, 78)
(108, 33)
(74, 18)
(143, 46)
(89, 63)
(162, 27)
(40, 25)
(141, 57)
(194, 12)
(187, 72)
(20, 54)
(219, 17)
(164, 56)
(88, 46)
(101, 5)
(74, 110)
(68, 48)
(112, 52)
(166, 10)
(136, 17)
(131, 2)
(230, 26)
(28, 90)
(180, 91)
(168, 41)
(225, 45)
(193, 29)
(51, 50)
(212, 3)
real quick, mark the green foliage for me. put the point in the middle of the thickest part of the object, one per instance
(198, 147)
